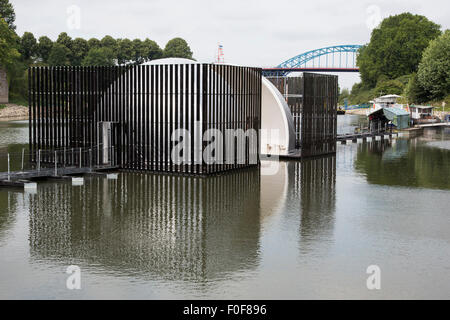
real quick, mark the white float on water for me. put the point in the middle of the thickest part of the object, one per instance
(30, 187)
(76, 181)
(112, 176)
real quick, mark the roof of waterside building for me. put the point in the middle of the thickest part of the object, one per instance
(421, 107)
(397, 111)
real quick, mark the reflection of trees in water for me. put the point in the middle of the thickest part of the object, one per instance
(312, 182)
(407, 162)
(171, 226)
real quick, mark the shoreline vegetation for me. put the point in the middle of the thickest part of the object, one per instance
(407, 55)
(19, 52)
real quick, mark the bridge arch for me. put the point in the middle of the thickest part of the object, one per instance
(341, 58)
(300, 60)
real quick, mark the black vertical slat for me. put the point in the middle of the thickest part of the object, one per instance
(185, 97)
(83, 112)
(155, 146)
(31, 112)
(125, 112)
(72, 108)
(58, 87)
(120, 108)
(52, 110)
(161, 118)
(220, 88)
(138, 117)
(129, 113)
(166, 117)
(35, 114)
(152, 141)
(176, 114)
(210, 111)
(89, 108)
(198, 109)
(147, 117)
(39, 108)
(228, 124)
(46, 106)
(170, 115)
(203, 110)
(78, 110)
(215, 111)
(95, 111)
(192, 117)
(65, 105)
(238, 109)
(248, 78)
(132, 119)
(135, 119)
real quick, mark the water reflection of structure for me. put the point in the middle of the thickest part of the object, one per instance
(303, 193)
(154, 225)
(403, 162)
(314, 184)
(8, 206)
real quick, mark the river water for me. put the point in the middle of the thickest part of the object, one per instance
(310, 231)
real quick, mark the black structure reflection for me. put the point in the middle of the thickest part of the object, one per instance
(312, 184)
(176, 227)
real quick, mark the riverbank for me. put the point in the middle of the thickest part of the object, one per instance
(361, 112)
(13, 112)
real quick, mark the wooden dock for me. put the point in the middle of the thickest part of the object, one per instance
(437, 124)
(355, 136)
(21, 178)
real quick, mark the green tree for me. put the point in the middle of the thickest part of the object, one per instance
(7, 13)
(8, 45)
(434, 69)
(65, 40)
(94, 43)
(389, 87)
(59, 55)
(139, 51)
(151, 50)
(80, 48)
(414, 92)
(125, 51)
(108, 42)
(44, 47)
(99, 57)
(344, 94)
(179, 48)
(28, 46)
(396, 47)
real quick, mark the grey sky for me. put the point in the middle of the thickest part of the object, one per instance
(253, 32)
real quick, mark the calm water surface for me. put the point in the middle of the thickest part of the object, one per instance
(309, 231)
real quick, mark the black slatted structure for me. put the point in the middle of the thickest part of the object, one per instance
(128, 116)
(312, 99)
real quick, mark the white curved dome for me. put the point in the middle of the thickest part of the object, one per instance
(276, 115)
(170, 61)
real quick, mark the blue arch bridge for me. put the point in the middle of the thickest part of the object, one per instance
(341, 58)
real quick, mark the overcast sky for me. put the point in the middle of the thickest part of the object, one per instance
(253, 32)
